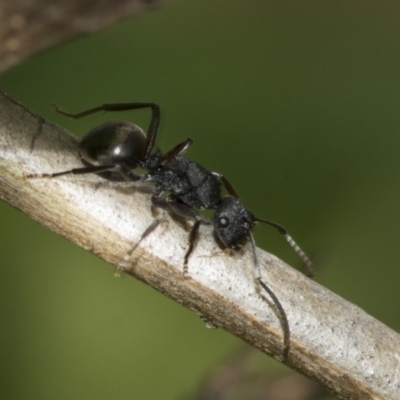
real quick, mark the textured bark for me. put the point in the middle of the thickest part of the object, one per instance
(332, 341)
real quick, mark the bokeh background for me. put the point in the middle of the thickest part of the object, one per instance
(296, 102)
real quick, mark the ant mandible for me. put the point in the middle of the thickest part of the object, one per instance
(115, 149)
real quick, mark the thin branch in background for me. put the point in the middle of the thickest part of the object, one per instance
(239, 377)
(31, 27)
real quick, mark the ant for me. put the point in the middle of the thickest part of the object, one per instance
(115, 150)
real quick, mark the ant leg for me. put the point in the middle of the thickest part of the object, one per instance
(185, 211)
(281, 312)
(193, 235)
(157, 201)
(127, 174)
(228, 186)
(176, 151)
(75, 171)
(152, 132)
(146, 233)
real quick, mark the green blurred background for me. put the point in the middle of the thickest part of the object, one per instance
(296, 102)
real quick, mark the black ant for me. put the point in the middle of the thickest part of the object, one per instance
(115, 149)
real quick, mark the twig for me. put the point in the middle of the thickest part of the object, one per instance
(332, 341)
(31, 27)
(241, 373)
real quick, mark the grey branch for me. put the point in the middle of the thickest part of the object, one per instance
(28, 27)
(332, 341)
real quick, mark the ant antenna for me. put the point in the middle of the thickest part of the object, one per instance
(282, 315)
(309, 264)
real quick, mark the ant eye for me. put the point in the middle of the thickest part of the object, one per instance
(223, 222)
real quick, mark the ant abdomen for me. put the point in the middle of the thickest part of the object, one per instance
(113, 143)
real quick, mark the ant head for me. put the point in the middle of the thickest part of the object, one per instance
(232, 223)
